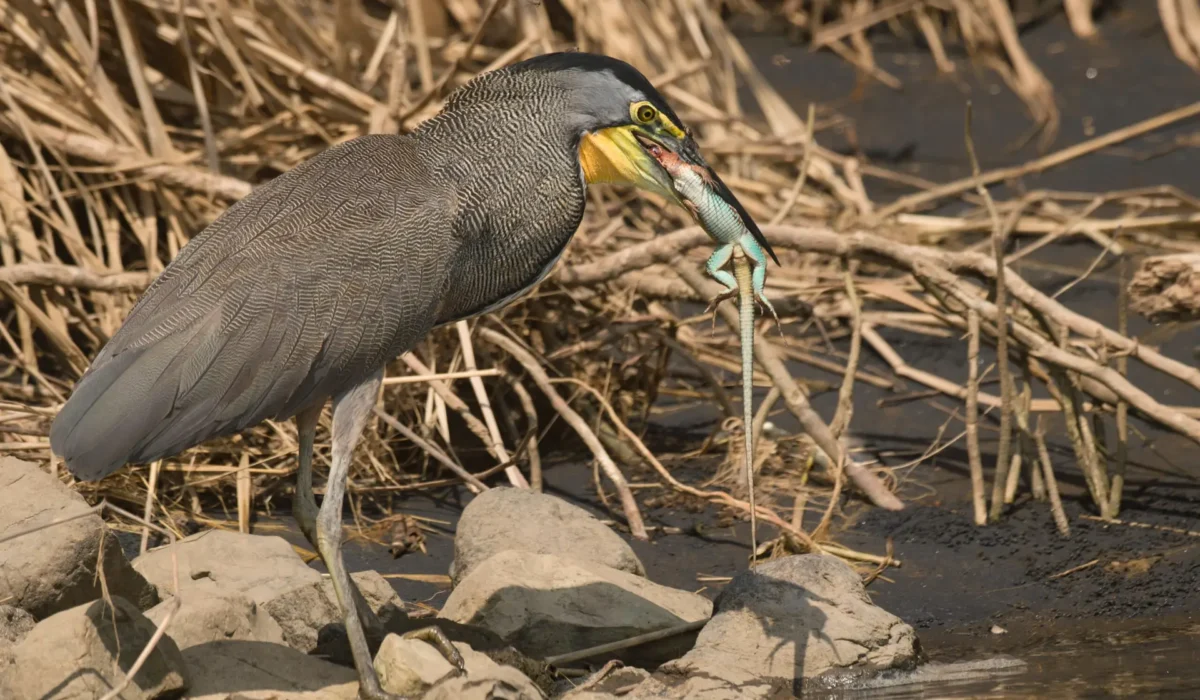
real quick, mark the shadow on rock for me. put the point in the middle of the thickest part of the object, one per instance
(545, 605)
(86, 651)
(260, 670)
(779, 623)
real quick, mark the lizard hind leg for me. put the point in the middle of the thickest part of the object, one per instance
(759, 280)
(719, 259)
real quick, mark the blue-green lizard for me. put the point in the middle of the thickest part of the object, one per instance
(742, 243)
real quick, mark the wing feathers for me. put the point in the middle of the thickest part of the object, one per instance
(298, 292)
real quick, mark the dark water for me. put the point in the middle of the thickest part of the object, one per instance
(1142, 662)
(1128, 75)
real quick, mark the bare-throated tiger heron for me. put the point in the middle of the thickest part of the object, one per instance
(301, 292)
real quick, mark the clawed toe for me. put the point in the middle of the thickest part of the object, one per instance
(763, 301)
(716, 301)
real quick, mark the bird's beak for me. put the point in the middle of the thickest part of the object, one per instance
(617, 156)
(630, 155)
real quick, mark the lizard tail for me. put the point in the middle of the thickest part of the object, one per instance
(746, 327)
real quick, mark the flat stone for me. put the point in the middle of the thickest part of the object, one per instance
(502, 519)
(787, 620)
(248, 670)
(544, 605)
(54, 569)
(217, 616)
(86, 651)
(268, 572)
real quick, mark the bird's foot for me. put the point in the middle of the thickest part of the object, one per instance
(434, 636)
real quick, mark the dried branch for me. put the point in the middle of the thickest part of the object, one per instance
(72, 276)
(973, 457)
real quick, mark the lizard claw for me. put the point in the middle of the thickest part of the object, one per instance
(764, 301)
(716, 301)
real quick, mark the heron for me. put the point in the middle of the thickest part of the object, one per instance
(300, 293)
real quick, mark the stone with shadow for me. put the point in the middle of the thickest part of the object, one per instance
(54, 569)
(85, 651)
(240, 669)
(544, 605)
(779, 623)
(414, 668)
(268, 572)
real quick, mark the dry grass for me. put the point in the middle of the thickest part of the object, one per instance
(127, 126)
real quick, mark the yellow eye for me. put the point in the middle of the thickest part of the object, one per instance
(646, 114)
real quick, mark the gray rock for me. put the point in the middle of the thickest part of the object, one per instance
(55, 569)
(252, 564)
(787, 620)
(545, 605)
(410, 667)
(503, 519)
(15, 623)
(215, 616)
(268, 572)
(247, 670)
(383, 599)
(86, 651)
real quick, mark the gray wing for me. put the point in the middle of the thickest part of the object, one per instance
(297, 292)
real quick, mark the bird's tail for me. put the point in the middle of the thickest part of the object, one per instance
(117, 404)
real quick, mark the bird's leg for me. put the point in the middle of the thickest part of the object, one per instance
(350, 412)
(304, 509)
(719, 259)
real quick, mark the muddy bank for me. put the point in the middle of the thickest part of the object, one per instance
(961, 577)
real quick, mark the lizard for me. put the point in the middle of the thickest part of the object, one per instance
(741, 243)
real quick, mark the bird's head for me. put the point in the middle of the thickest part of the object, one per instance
(621, 121)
